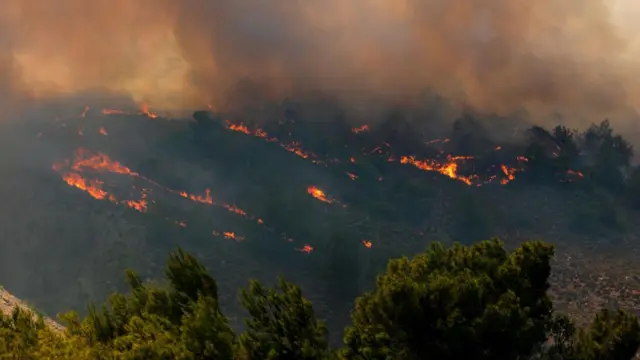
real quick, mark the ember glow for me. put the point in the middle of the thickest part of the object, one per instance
(360, 129)
(306, 249)
(319, 194)
(144, 111)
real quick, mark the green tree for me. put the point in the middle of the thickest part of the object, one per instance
(461, 302)
(476, 302)
(282, 325)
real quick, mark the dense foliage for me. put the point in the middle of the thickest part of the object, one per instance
(461, 302)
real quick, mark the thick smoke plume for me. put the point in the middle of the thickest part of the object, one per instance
(494, 55)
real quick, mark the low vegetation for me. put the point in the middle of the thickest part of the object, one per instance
(459, 302)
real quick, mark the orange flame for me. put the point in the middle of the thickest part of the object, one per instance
(306, 249)
(367, 244)
(509, 173)
(102, 163)
(114, 112)
(360, 129)
(318, 194)
(92, 187)
(448, 169)
(145, 111)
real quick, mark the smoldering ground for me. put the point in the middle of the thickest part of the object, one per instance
(575, 56)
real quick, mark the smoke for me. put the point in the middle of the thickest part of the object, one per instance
(498, 56)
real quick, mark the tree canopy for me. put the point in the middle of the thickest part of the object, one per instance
(458, 302)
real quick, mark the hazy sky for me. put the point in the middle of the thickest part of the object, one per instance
(495, 55)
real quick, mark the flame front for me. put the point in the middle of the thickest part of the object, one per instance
(450, 168)
(84, 160)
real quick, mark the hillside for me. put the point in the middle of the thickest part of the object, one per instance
(325, 202)
(9, 302)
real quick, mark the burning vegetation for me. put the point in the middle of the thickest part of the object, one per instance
(334, 196)
(368, 153)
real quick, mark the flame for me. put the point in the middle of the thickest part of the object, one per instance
(509, 173)
(293, 147)
(84, 160)
(449, 168)
(103, 131)
(98, 162)
(95, 190)
(367, 244)
(145, 111)
(240, 128)
(114, 112)
(232, 235)
(318, 194)
(92, 187)
(85, 111)
(139, 205)
(360, 129)
(306, 249)
(575, 173)
(206, 199)
(228, 235)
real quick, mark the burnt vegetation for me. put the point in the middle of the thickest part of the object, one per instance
(389, 189)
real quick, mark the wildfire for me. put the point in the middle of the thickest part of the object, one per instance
(319, 194)
(92, 187)
(509, 173)
(360, 129)
(139, 205)
(450, 168)
(84, 160)
(292, 147)
(85, 111)
(367, 244)
(306, 249)
(228, 235)
(145, 111)
(114, 112)
(99, 162)
(206, 199)
(103, 131)
(95, 190)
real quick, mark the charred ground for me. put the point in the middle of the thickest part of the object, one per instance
(325, 202)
